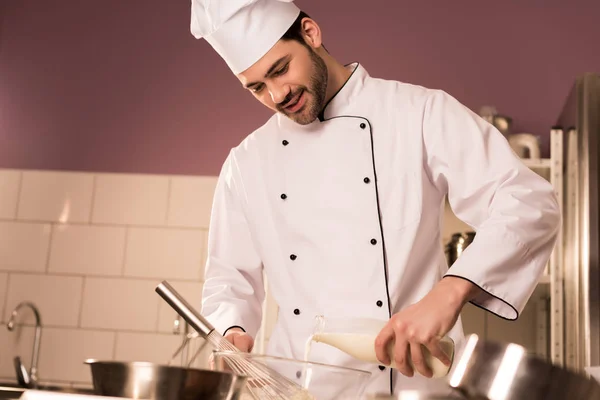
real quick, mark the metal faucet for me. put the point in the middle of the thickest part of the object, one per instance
(29, 380)
(184, 344)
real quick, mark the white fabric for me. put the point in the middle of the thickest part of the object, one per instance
(424, 145)
(241, 31)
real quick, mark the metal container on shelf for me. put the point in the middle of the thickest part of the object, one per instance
(457, 244)
(501, 122)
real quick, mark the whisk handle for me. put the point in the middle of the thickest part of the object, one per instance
(183, 308)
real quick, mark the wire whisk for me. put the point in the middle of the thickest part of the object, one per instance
(263, 382)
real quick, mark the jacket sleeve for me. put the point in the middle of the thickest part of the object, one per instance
(233, 290)
(513, 211)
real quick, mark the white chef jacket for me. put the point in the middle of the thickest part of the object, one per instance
(344, 216)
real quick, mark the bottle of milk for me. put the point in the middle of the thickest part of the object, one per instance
(356, 337)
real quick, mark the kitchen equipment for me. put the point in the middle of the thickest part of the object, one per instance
(525, 145)
(457, 244)
(505, 371)
(264, 383)
(323, 381)
(144, 380)
(356, 337)
(579, 120)
(502, 122)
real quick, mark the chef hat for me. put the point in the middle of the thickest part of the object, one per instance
(242, 31)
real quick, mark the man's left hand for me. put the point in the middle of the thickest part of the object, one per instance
(424, 323)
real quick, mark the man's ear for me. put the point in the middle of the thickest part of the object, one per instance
(311, 32)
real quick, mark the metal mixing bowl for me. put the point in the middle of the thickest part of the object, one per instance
(500, 371)
(323, 381)
(144, 380)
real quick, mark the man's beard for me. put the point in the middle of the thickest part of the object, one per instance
(317, 90)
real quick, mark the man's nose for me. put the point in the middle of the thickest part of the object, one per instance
(278, 94)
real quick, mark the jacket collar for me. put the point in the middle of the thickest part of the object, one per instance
(343, 98)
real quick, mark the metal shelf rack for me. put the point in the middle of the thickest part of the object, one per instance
(553, 349)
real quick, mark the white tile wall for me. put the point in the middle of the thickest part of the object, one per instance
(10, 181)
(131, 200)
(191, 201)
(57, 297)
(150, 347)
(205, 252)
(160, 348)
(24, 246)
(56, 196)
(165, 253)
(120, 304)
(87, 250)
(63, 352)
(3, 293)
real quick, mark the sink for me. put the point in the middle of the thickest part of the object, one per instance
(14, 391)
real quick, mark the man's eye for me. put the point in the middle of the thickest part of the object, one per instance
(257, 88)
(282, 70)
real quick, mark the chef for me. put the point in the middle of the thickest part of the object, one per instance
(338, 199)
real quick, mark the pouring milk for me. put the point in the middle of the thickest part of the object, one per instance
(356, 337)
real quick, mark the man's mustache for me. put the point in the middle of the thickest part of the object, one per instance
(289, 98)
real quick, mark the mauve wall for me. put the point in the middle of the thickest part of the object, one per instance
(122, 86)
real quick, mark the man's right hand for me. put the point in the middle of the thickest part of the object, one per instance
(240, 339)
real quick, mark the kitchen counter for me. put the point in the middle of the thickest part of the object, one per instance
(14, 391)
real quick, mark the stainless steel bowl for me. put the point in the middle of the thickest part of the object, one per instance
(144, 380)
(505, 371)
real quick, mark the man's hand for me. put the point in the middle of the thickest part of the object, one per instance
(424, 323)
(240, 339)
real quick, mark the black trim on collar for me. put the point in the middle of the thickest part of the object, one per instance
(231, 327)
(322, 113)
(496, 297)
